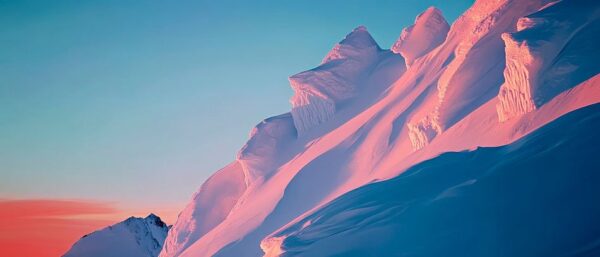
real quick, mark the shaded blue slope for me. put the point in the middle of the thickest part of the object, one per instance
(539, 196)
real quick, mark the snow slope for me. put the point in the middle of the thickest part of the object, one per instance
(363, 115)
(133, 237)
(534, 197)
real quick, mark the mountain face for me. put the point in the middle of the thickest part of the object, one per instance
(534, 197)
(361, 164)
(133, 237)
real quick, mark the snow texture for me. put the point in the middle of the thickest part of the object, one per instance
(428, 32)
(267, 144)
(534, 197)
(209, 207)
(319, 91)
(503, 70)
(550, 52)
(473, 75)
(134, 237)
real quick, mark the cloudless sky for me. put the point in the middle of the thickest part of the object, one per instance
(138, 102)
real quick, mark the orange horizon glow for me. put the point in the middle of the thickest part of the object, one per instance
(48, 227)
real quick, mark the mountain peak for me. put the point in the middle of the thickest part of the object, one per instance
(339, 78)
(428, 31)
(152, 216)
(132, 237)
(155, 220)
(359, 37)
(432, 11)
(357, 44)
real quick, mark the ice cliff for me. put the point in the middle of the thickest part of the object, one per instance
(428, 31)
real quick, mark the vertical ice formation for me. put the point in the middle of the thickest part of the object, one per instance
(422, 132)
(318, 92)
(474, 73)
(538, 55)
(515, 96)
(428, 32)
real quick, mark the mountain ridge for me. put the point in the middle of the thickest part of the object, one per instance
(364, 115)
(132, 237)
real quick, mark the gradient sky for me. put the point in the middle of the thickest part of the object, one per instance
(136, 103)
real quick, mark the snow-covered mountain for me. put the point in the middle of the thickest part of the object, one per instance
(534, 197)
(500, 77)
(133, 237)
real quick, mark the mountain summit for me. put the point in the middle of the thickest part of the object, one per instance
(133, 237)
(429, 31)
(356, 44)
(344, 73)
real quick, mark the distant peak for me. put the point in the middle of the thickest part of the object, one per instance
(152, 216)
(359, 37)
(155, 220)
(432, 10)
(360, 28)
(357, 44)
(134, 237)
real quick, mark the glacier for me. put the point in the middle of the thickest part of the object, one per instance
(497, 87)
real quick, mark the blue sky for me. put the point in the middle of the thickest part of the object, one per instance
(138, 102)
